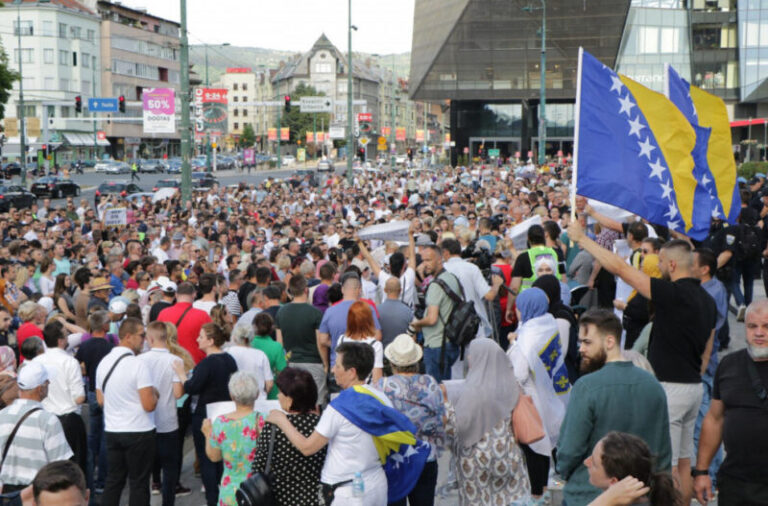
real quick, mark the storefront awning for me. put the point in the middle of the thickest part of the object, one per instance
(79, 139)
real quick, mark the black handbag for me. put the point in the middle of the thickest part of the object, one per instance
(257, 490)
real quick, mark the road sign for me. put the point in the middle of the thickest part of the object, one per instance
(363, 141)
(315, 104)
(364, 117)
(33, 127)
(102, 104)
(494, 153)
(336, 132)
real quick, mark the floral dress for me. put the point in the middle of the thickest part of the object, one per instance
(237, 441)
(492, 471)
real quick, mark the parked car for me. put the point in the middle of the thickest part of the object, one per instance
(325, 166)
(118, 168)
(152, 165)
(102, 165)
(289, 160)
(166, 183)
(174, 167)
(121, 188)
(12, 195)
(11, 169)
(137, 198)
(203, 180)
(55, 187)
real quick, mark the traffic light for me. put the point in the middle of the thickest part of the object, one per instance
(45, 151)
(287, 103)
(78, 104)
(121, 103)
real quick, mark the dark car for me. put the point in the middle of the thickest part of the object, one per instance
(151, 165)
(203, 180)
(10, 169)
(121, 188)
(55, 186)
(12, 195)
(166, 183)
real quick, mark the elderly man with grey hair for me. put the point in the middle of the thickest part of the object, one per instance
(233, 437)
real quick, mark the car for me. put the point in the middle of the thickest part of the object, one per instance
(174, 167)
(203, 180)
(400, 159)
(55, 187)
(166, 183)
(12, 195)
(152, 165)
(121, 188)
(225, 163)
(11, 169)
(325, 166)
(118, 168)
(137, 198)
(289, 160)
(102, 165)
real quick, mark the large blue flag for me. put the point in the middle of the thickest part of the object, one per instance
(705, 110)
(637, 151)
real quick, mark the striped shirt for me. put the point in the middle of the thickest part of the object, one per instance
(232, 302)
(39, 440)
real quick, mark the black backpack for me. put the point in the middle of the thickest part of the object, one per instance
(749, 244)
(463, 322)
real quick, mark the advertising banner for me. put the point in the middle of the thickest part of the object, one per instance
(210, 112)
(386, 131)
(285, 134)
(272, 134)
(159, 106)
(400, 134)
(249, 156)
(419, 135)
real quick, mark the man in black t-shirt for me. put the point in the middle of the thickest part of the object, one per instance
(681, 337)
(168, 288)
(738, 418)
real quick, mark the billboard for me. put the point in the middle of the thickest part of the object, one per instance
(159, 105)
(419, 135)
(272, 134)
(400, 134)
(285, 133)
(210, 112)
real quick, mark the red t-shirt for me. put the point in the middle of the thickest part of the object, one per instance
(26, 330)
(190, 326)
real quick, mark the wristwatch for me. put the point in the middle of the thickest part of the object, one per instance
(699, 472)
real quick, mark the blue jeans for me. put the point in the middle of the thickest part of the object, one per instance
(97, 444)
(432, 361)
(707, 382)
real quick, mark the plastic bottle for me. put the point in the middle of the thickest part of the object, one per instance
(358, 486)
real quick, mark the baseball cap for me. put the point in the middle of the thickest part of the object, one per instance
(33, 374)
(166, 285)
(118, 305)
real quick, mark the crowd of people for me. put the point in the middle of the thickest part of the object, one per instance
(600, 334)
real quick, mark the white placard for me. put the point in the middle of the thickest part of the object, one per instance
(519, 233)
(392, 231)
(115, 217)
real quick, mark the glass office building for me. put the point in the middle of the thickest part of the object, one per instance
(484, 56)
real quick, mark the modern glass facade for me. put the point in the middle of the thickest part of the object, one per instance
(753, 46)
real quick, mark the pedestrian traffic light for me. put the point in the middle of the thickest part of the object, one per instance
(78, 104)
(121, 103)
(287, 103)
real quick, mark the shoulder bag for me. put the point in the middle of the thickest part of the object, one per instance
(13, 434)
(257, 490)
(111, 370)
(183, 315)
(526, 422)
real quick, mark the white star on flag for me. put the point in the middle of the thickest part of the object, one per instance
(635, 126)
(705, 180)
(626, 104)
(617, 84)
(672, 211)
(666, 191)
(646, 148)
(657, 169)
(673, 224)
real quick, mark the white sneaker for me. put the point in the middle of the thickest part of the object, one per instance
(741, 313)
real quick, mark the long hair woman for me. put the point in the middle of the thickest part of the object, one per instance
(360, 327)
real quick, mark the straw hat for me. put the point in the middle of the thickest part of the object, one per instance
(100, 284)
(403, 351)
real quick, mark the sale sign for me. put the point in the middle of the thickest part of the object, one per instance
(159, 105)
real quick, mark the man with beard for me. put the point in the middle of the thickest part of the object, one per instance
(737, 417)
(612, 395)
(681, 339)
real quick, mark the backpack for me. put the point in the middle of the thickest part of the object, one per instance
(463, 322)
(749, 246)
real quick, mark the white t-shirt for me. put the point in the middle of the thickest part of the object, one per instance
(407, 286)
(122, 407)
(159, 362)
(350, 450)
(46, 286)
(160, 254)
(253, 361)
(204, 305)
(378, 349)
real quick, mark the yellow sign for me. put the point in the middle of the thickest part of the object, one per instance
(33, 127)
(11, 127)
(213, 145)
(301, 155)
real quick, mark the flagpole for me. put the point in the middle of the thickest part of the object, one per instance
(574, 172)
(666, 80)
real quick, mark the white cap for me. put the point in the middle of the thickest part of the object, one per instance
(47, 303)
(118, 305)
(164, 283)
(33, 374)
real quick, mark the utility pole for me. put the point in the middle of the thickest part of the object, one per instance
(350, 133)
(207, 136)
(279, 128)
(392, 138)
(95, 136)
(543, 89)
(186, 173)
(22, 123)
(426, 133)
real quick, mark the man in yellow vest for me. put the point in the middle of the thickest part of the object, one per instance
(134, 171)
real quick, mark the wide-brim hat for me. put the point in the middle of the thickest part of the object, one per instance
(100, 284)
(403, 351)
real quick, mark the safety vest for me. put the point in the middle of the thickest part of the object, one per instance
(533, 254)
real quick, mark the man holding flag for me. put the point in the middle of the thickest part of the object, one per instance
(636, 150)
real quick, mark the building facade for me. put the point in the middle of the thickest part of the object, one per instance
(484, 56)
(139, 51)
(247, 89)
(60, 59)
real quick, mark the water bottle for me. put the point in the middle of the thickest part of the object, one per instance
(358, 486)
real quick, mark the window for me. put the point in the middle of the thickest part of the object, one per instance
(75, 32)
(63, 57)
(26, 28)
(51, 111)
(66, 111)
(49, 83)
(245, 86)
(245, 99)
(26, 55)
(74, 58)
(234, 86)
(234, 99)
(237, 126)
(62, 30)
(29, 111)
(235, 113)
(90, 34)
(48, 28)
(48, 56)
(93, 62)
(86, 59)
(245, 112)
(63, 84)
(85, 87)
(323, 68)
(648, 40)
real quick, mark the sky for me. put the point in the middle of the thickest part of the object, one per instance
(384, 26)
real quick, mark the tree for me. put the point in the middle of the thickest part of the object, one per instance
(7, 78)
(248, 137)
(301, 123)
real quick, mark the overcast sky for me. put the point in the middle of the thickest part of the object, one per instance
(384, 26)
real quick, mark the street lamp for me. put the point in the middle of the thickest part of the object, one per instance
(186, 173)
(350, 133)
(22, 136)
(543, 81)
(208, 167)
